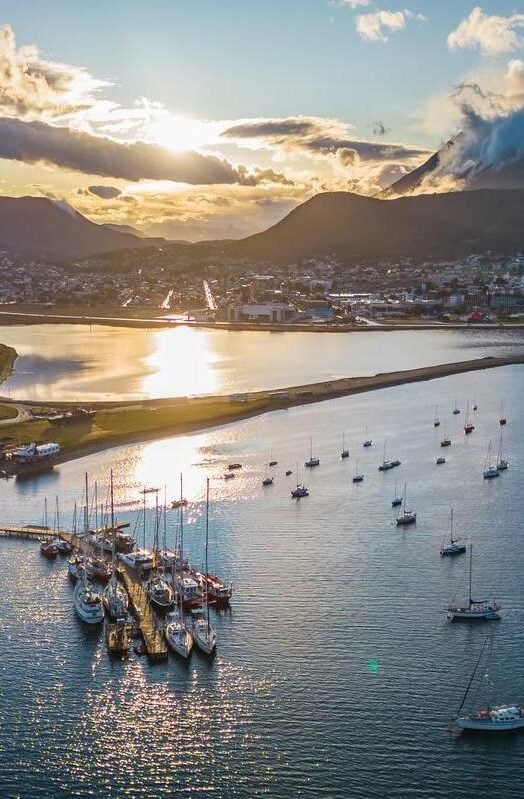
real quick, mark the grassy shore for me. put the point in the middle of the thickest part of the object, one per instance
(7, 360)
(123, 423)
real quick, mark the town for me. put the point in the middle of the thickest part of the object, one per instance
(206, 286)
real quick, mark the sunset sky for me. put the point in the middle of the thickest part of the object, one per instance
(209, 119)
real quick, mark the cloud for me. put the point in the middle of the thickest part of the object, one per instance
(37, 142)
(31, 86)
(105, 192)
(493, 35)
(377, 25)
(353, 3)
(316, 136)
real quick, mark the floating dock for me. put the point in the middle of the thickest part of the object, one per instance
(154, 640)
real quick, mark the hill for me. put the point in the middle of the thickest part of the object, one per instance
(442, 225)
(39, 227)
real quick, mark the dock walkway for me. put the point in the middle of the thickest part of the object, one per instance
(154, 640)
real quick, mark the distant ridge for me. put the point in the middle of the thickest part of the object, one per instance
(40, 227)
(351, 225)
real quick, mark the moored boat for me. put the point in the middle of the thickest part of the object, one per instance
(475, 609)
(453, 548)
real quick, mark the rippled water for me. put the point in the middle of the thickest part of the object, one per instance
(290, 706)
(70, 362)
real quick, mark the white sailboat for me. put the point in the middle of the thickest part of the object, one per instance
(87, 601)
(311, 462)
(468, 424)
(407, 516)
(204, 634)
(177, 634)
(114, 597)
(161, 594)
(367, 441)
(491, 718)
(490, 469)
(386, 464)
(300, 490)
(475, 609)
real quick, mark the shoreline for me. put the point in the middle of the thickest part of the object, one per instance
(8, 356)
(158, 419)
(12, 318)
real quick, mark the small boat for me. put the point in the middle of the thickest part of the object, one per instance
(160, 593)
(367, 441)
(88, 602)
(468, 425)
(502, 463)
(475, 609)
(228, 476)
(179, 503)
(311, 462)
(271, 461)
(436, 420)
(490, 470)
(217, 591)
(267, 481)
(344, 452)
(63, 546)
(396, 501)
(48, 549)
(440, 460)
(358, 477)
(140, 560)
(407, 516)
(118, 635)
(178, 635)
(75, 566)
(288, 472)
(502, 419)
(300, 491)
(99, 570)
(233, 466)
(386, 465)
(204, 634)
(124, 542)
(446, 441)
(453, 548)
(114, 598)
(492, 718)
(456, 409)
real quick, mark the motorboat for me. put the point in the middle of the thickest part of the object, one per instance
(440, 460)
(88, 602)
(140, 560)
(160, 593)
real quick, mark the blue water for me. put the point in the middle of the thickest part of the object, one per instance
(292, 705)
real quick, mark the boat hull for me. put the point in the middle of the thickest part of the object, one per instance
(489, 726)
(472, 615)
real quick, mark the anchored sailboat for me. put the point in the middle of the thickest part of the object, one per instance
(344, 453)
(490, 470)
(502, 463)
(407, 516)
(453, 548)
(475, 608)
(311, 462)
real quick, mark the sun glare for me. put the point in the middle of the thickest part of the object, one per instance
(182, 133)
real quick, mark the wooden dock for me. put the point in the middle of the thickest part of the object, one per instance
(154, 640)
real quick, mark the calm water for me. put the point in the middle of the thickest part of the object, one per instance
(289, 707)
(68, 362)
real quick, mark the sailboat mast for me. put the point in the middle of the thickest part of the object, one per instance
(451, 527)
(86, 509)
(144, 512)
(470, 570)
(207, 542)
(113, 530)
(45, 512)
(57, 510)
(473, 674)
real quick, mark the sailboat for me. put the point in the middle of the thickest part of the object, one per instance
(140, 560)
(456, 409)
(407, 516)
(160, 592)
(490, 470)
(468, 425)
(311, 462)
(272, 462)
(87, 601)
(453, 548)
(386, 465)
(502, 463)
(204, 634)
(475, 608)
(502, 419)
(446, 441)
(492, 718)
(114, 597)
(268, 479)
(344, 453)
(436, 420)
(301, 490)
(396, 501)
(358, 477)
(177, 633)
(367, 441)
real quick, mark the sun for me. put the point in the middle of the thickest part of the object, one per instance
(181, 133)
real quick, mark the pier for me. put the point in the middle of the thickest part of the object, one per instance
(153, 637)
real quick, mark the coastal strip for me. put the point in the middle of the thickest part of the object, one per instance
(119, 423)
(8, 357)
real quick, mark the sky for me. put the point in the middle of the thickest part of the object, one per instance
(208, 119)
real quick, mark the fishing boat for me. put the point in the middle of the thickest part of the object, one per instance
(367, 441)
(468, 425)
(311, 462)
(453, 548)
(491, 718)
(502, 463)
(490, 469)
(344, 452)
(204, 634)
(475, 609)
(358, 477)
(502, 418)
(396, 501)
(440, 460)
(386, 464)
(407, 516)
(114, 598)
